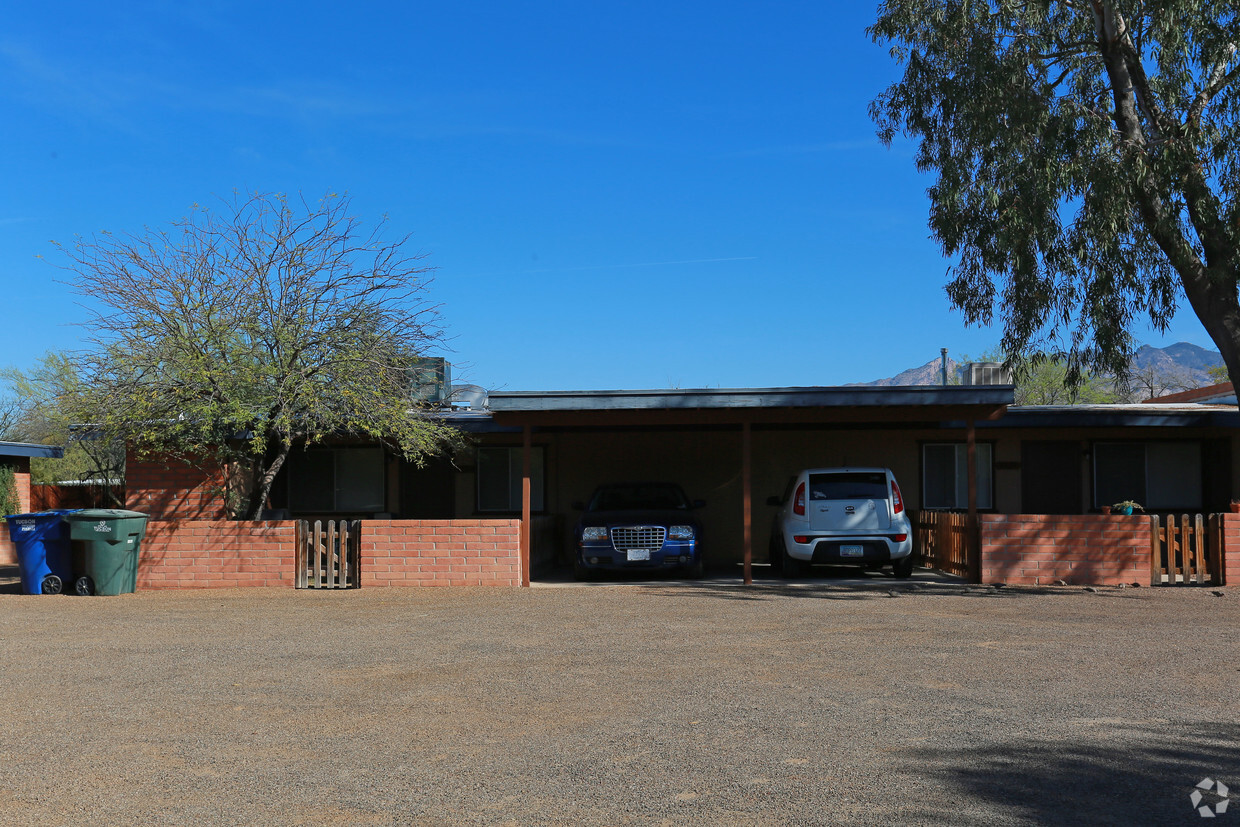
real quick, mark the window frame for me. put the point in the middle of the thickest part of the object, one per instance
(1144, 445)
(990, 490)
(538, 483)
(295, 507)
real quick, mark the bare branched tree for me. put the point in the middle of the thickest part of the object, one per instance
(237, 335)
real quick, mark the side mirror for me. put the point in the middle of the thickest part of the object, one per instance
(578, 505)
(699, 503)
(775, 501)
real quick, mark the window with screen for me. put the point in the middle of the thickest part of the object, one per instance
(1158, 475)
(336, 480)
(945, 475)
(499, 479)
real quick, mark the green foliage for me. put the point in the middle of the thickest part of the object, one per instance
(1086, 161)
(234, 336)
(50, 399)
(10, 503)
(1219, 374)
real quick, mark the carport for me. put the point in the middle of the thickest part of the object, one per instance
(721, 426)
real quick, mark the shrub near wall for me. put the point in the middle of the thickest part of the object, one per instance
(14, 499)
(1086, 549)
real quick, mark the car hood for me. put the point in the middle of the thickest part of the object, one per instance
(640, 517)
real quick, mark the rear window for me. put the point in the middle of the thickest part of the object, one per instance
(854, 486)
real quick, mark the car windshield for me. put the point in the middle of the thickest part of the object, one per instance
(853, 486)
(640, 497)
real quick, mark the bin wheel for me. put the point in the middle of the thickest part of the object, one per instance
(84, 586)
(52, 584)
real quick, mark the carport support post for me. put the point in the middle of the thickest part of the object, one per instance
(747, 488)
(526, 440)
(973, 536)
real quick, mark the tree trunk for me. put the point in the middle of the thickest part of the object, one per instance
(262, 483)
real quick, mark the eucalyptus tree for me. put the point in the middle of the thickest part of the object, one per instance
(1085, 163)
(237, 336)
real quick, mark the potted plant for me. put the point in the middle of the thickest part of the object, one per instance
(1234, 506)
(1126, 507)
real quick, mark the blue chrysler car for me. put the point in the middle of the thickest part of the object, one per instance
(641, 526)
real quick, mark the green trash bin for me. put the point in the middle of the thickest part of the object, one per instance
(110, 539)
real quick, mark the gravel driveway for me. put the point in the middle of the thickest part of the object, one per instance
(702, 703)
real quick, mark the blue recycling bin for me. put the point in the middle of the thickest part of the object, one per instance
(43, 559)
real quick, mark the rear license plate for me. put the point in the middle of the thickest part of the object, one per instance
(852, 551)
(639, 555)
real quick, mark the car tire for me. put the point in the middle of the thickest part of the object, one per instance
(902, 568)
(775, 557)
(581, 573)
(792, 567)
(696, 569)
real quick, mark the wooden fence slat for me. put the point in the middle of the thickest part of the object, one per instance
(333, 556)
(345, 581)
(1199, 562)
(317, 548)
(1156, 567)
(299, 556)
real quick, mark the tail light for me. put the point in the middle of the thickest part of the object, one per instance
(899, 538)
(897, 502)
(798, 501)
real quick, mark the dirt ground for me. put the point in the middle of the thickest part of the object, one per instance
(831, 702)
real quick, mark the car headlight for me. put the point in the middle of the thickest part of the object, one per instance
(594, 533)
(680, 532)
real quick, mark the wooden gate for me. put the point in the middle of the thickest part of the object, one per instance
(328, 556)
(941, 539)
(1186, 551)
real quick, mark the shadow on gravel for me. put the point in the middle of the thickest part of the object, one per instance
(10, 580)
(1102, 772)
(871, 590)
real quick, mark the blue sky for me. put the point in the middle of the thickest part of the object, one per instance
(615, 195)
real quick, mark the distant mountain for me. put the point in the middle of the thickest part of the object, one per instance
(1175, 367)
(1188, 360)
(927, 374)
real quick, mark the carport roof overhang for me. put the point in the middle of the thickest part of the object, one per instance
(757, 406)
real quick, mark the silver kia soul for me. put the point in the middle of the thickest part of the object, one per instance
(842, 516)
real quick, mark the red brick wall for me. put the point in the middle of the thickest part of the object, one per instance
(173, 491)
(1038, 549)
(207, 555)
(47, 496)
(441, 553)
(21, 473)
(1231, 549)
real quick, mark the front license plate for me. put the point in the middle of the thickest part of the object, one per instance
(852, 551)
(639, 555)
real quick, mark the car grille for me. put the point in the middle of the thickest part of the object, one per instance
(638, 536)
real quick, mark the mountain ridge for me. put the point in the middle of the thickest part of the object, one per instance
(1178, 366)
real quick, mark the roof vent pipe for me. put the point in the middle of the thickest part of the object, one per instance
(943, 365)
